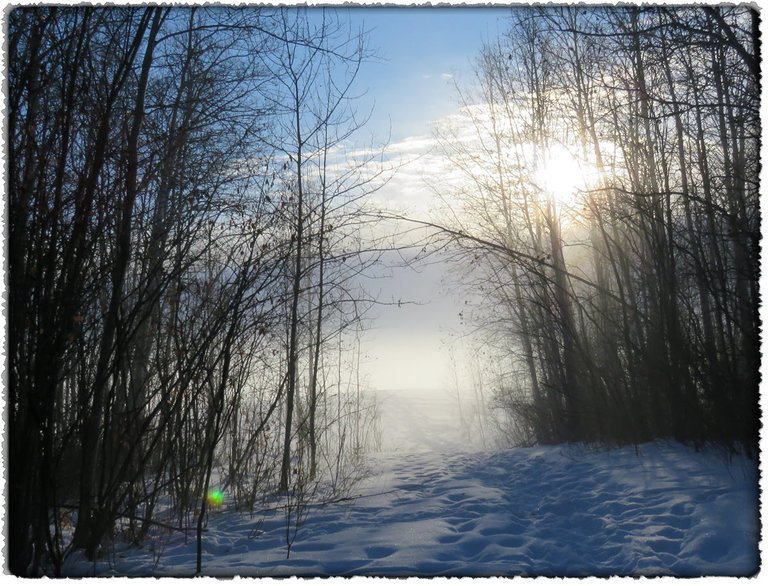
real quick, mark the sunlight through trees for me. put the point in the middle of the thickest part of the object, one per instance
(622, 291)
(192, 214)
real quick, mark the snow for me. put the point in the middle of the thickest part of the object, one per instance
(423, 420)
(435, 504)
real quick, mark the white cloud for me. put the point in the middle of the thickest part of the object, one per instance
(446, 75)
(420, 167)
(411, 144)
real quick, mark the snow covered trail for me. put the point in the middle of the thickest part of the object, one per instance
(540, 511)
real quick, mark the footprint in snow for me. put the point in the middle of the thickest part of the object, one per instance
(377, 552)
(313, 546)
(450, 539)
(668, 546)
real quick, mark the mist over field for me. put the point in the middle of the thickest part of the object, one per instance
(348, 291)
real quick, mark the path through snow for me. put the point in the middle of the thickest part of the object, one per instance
(541, 511)
(417, 421)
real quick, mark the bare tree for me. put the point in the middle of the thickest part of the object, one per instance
(639, 344)
(316, 67)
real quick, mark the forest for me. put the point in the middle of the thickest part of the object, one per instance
(625, 300)
(190, 210)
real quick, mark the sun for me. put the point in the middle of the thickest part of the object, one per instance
(561, 176)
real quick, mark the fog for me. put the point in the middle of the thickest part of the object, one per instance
(430, 420)
(412, 329)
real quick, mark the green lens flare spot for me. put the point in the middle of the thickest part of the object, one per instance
(215, 498)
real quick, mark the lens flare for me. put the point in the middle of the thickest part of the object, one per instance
(215, 498)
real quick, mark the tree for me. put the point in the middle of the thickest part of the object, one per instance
(638, 345)
(153, 253)
(316, 67)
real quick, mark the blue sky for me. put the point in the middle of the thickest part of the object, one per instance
(419, 49)
(420, 52)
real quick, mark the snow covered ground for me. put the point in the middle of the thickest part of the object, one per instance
(417, 421)
(658, 509)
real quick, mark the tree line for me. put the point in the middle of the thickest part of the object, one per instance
(631, 312)
(184, 241)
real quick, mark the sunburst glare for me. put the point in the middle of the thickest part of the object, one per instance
(562, 176)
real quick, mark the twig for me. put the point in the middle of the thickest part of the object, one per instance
(135, 518)
(328, 502)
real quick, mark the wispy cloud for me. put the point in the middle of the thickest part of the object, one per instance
(411, 144)
(418, 170)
